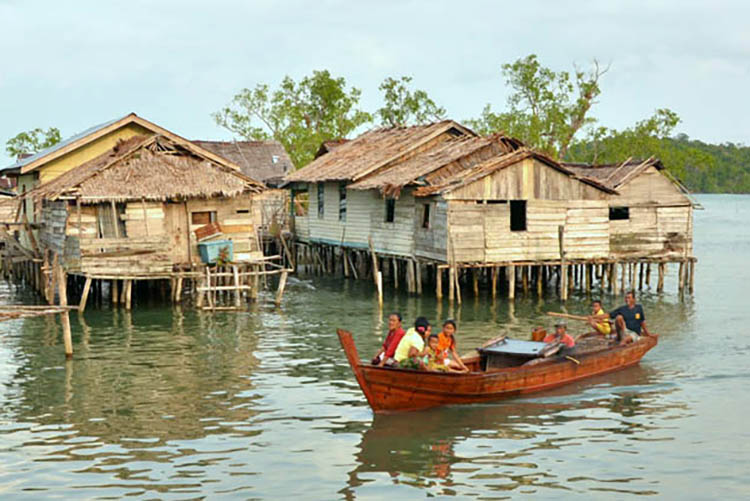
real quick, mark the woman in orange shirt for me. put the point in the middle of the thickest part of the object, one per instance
(447, 347)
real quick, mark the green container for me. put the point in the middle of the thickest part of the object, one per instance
(209, 251)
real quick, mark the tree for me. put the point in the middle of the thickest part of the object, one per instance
(300, 115)
(406, 107)
(30, 142)
(649, 137)
(546, 108)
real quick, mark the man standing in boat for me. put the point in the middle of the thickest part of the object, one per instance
(630, 320)
(388, 349)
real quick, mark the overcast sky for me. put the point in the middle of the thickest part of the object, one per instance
(76, 64)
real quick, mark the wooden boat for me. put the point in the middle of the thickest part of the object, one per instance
(490, 377)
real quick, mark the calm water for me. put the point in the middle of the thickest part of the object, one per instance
(170, 404)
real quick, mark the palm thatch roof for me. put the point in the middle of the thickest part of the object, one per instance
(375, 150)
(467, 176)
(442, 161)
(614, 175)
(266, 161)
(148, 168)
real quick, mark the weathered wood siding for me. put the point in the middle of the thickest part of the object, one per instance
(431, 243)
(526, 180)
(52, 232)
(238, 217)
(661, 218)
(365, 217)
(481, 232)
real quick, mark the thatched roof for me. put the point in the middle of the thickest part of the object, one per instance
(266, 161)
(330, 145)
(614, 175)
(496, 163)
(147, 168)
(374, 150)
(441, 161)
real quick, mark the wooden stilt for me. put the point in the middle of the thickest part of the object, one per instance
(648, 274)
(660, 279)
(681, 277)
(457, 277)
(345, 260)
(238, 291)
(280, 290)
(511, 274)
(614, 282)
(539, 281)
(129, 295)
(84, 295)
(62, 292)
(178, 292)
(525, 278)
(640, 276)
(475, 281)
(589, 270)
(418, 269)
(438, 282)
(622, 278)
(410, 276)
(451, 284)
(379, 285)
(394, 267)
(494, 281)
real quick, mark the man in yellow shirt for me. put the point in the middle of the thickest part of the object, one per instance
(598, 319)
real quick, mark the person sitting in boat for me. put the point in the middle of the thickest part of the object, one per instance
(433, 359)
(598, 319)
(560, 335)
(630, 320)
(447, 345)
(411, 347)
(385, 354)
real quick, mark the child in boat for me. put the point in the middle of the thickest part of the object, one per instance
(411, 347)
(599, 320)
(434, 359)
(560, 335)
(447, 346)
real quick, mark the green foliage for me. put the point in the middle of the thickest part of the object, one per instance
(30, 142)
(406, 107)
(300, 115)
(546, 109)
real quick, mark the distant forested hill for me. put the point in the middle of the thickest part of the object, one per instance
(728, 170)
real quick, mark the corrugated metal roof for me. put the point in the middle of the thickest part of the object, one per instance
(62, 144)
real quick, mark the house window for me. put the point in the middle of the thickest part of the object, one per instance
(619, 213)
(243, 211)
(203, 217)
(321, 200)
(390, 210)
(426, 216)
(518, 215)
(342, 202)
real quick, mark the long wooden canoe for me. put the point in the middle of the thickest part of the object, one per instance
(389, 389)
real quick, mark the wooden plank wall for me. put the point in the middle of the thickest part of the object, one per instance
(365, 216)
(526, 180)
(53, 230)
(481, 232)
(431, 243)
(237, 216)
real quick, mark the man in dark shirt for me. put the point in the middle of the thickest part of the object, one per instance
(395, 333)
(630, 321)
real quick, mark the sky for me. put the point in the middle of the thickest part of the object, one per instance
(75, 64)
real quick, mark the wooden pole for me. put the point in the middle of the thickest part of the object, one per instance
(539, 281)
(475, 281)
(374, 260)
(345, 259)
(451, 284)
(660, 279)
(563, 264)
(128, 294)
(640, 276)
(238, 291)
(511, 274)
(280, 290)
(681, 277)
(438, 282)
(64, 317)
(379, 286)
(457, 277)
(84, 295)
(648, 274)
(614, 282)
(418, 269)
(525, 278)
(589, 270)
(692, 276)
(622, 278)
(494, 281)
(394, 267)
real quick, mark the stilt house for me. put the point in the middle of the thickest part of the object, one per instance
(652, 213)
(133, 210)
(439, 194)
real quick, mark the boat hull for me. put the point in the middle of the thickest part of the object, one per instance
(389, 390)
